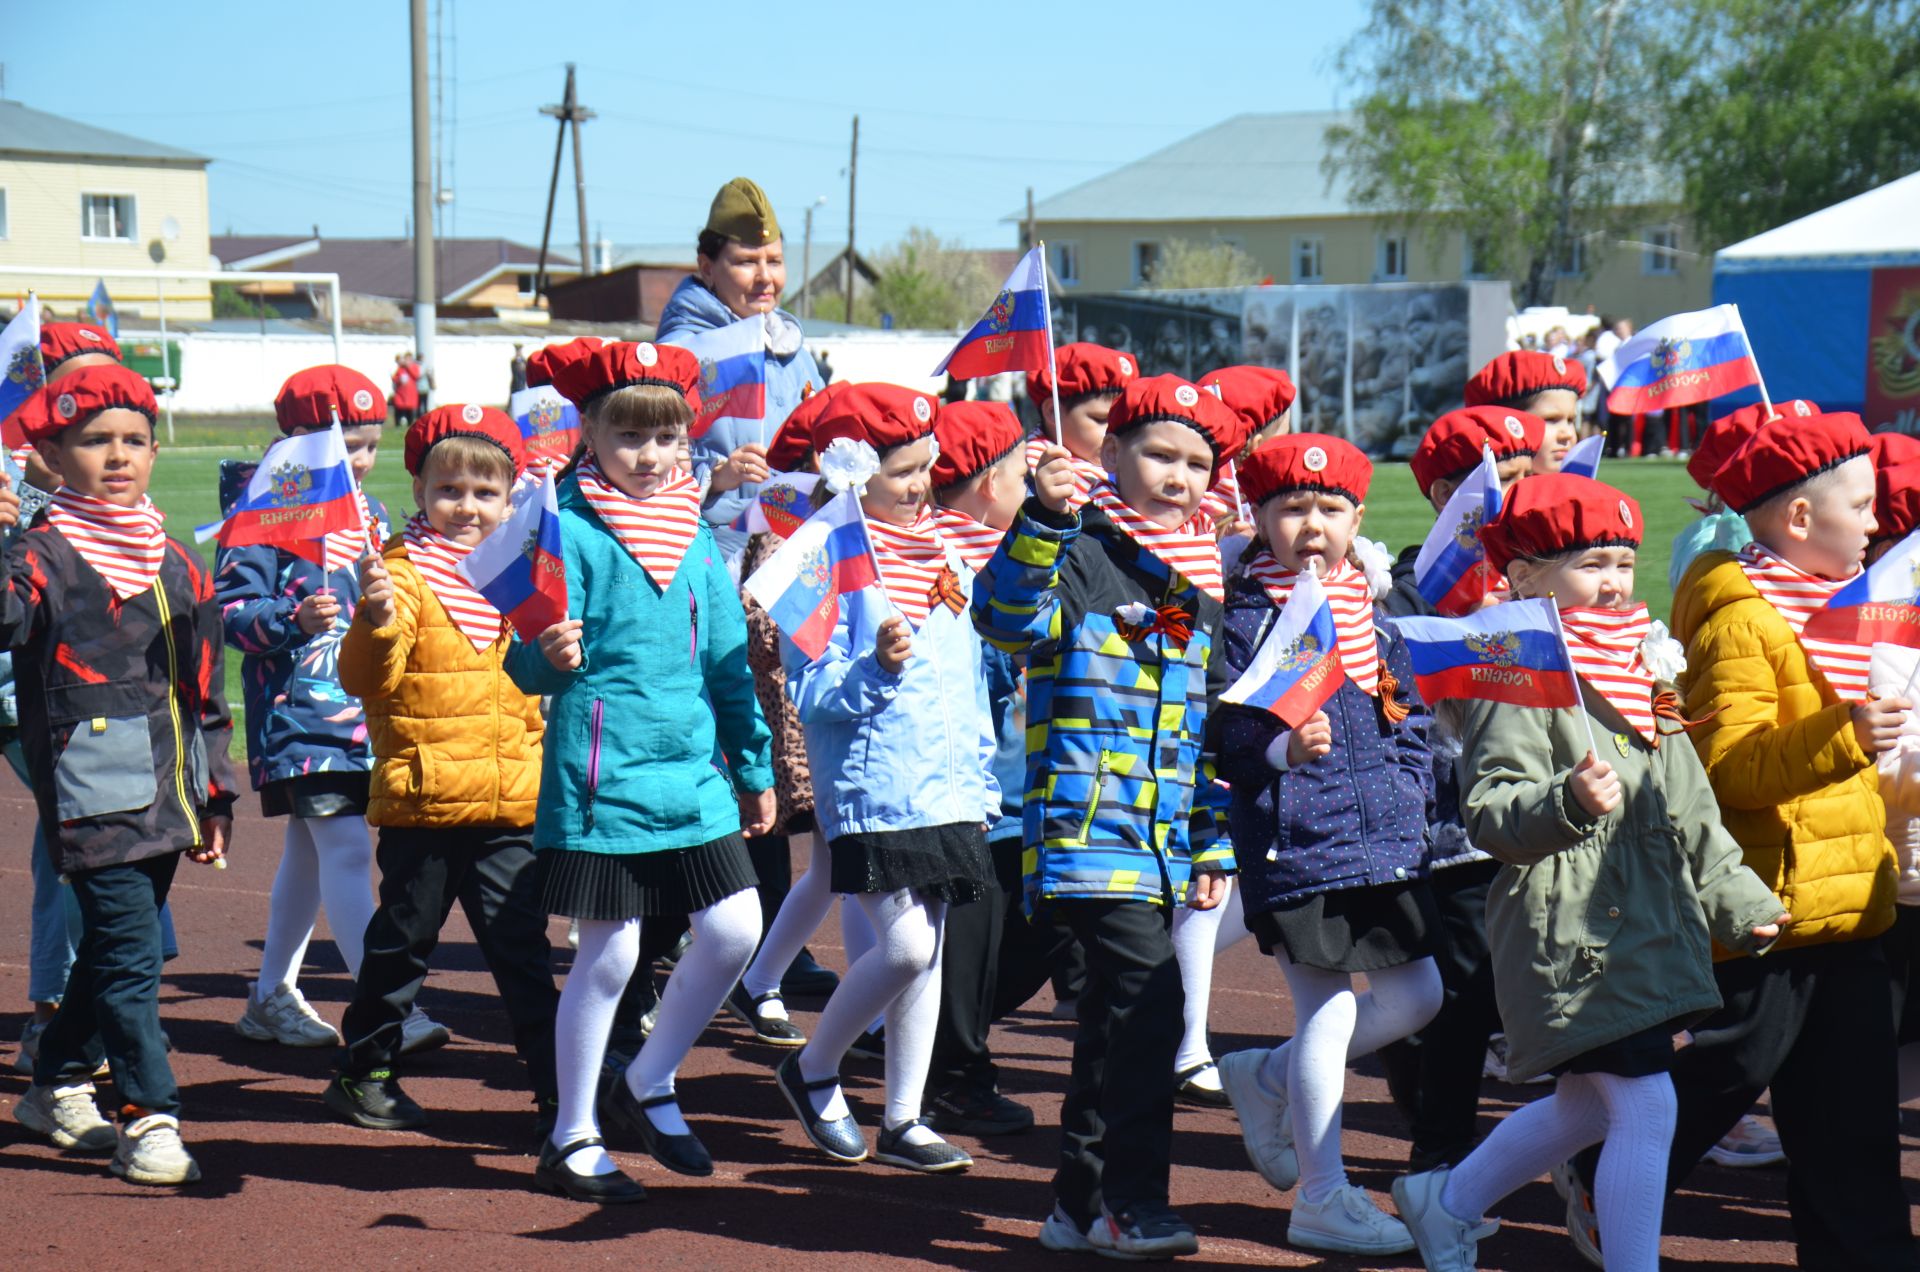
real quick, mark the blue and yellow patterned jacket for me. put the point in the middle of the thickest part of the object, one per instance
(1120, 801)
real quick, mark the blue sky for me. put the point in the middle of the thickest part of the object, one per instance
(304, 107)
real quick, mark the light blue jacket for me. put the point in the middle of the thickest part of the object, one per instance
(648, 740)
(896, 752)
(694, 308)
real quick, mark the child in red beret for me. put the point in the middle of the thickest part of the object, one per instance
(1543, 384)
(1089, 378)
(1329, 826)
(1617, 875)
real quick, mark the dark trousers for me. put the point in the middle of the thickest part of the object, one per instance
(1116, 1124)
(970, 959)
(112, 1005)
(490, 871)
(773, 870)
(1434, 1075)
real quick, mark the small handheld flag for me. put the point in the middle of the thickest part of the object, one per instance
(1880, 605)
(1297, 667)
(520, 568)
(1584, 459)
(733, 372)
(21, 369)
(548, 422)
(1451, 570)
(801, 584)
(1511, 652)
(1681, 360)
(302, 490)
(782, 505)
(1015, 332)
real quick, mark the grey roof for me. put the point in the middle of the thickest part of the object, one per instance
(24, 130)
(1249, 167)
(654, 255)
(384, 266)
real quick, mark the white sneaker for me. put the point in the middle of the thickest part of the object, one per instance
(420, 1032)
(1583, 1224)
(1265, 1126)
(68, 1116)
(150, 1152)
(1059, 1233)
(1446, 1244)
(284, 1017)
(1347, 1222)
(1751, 1142)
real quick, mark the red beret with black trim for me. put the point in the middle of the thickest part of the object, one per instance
(973, 436)
(1305, 461)
(309, 398)
(1083, 369)
(1560, 512)
(882, 415)
(464, 420)
(1889, 449)
(83, 394)
(588, 368)
(793, 440)
(1451, 445)
(1258, 395)
(62, 340)
(1785, 452)
(1514, 377)
(1896, 501)
(1730, 432)
(1169, 398)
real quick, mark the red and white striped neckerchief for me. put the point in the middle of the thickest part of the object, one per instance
(1350, 597)
(1605, 646)
(125, 546)
(912, 559)
(1797, 594)
(1086, 473)
(975, 541)
(655, 531)
(342, 548)
(1190, 550)
(437, 558)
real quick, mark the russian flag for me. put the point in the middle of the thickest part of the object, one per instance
(1880, 605)
(1013, 334)
(21, 370)
(784, 503)
(1297, 667)
(733, 372)
(302, 490)
(801, 584)
(1680, 360)
(1511, 652)
(1451, 570)
(549, 424)
(520, 567)
(1584, 459)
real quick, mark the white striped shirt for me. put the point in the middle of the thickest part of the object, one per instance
(911, 559)
(125, 546)
(975, 541)
(1797, 594)
(1191, 550)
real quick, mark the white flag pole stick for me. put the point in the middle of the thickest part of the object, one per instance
(1053, 377)
(866, 528)
(359, 498)
(1579, 699)
(1754, 362)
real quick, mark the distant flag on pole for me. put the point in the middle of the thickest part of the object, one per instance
(733, 372)
(782, 505)
(1512, 652)
(1451, 569)
(1584, 459)
(100, 310)
(520, 568)
(1680, 360)
(21, 369)
(1297, 667)
(302, 491)
(1013, 334)
(801, 584)
(549, 424)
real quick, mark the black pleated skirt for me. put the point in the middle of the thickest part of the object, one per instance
(612, 886)
(949, 863)
(1638, 1055)
(1353, 929)
(332, 794)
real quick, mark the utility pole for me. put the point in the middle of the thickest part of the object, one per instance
(853, 177)
(1032, 236)
(572, 114)
(424, 295)
(806, 262)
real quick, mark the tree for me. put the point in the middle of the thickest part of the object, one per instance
(230, 302)
(1518, 123)
(1778, 108)
(927, 282)
(1186, 263)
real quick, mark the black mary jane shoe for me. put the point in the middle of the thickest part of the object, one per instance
(681, 1154)
(839, 1139)
(775, 1031)
(550, 1174)
(1190, 1092)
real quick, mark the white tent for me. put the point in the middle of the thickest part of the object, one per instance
(1871, 230)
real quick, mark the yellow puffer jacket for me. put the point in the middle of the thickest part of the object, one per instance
(1796, 790)
(454, 742)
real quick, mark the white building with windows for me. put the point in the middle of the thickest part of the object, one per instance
(76, 196)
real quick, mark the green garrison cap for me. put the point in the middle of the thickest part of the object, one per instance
(742, 212)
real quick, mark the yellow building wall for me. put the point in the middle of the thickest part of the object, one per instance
(43, 224)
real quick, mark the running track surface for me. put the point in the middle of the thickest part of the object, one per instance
(286, 1185)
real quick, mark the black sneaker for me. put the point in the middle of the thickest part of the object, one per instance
(1144, 1230)
(807, 979)
(374, 1101)
(871, 1045)
(963, 1111)
(775, 1031)
(937, 1158)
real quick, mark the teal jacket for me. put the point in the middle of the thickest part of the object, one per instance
(649, 739)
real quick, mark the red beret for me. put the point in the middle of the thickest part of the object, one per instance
(1785, 452)
(882, 415)
(1452, 444)
(62, 340)
(1896, 503)
(589, 367)
(469, 420)
(1258, 395)
(973, 436)
(1559, 512)
(1168, 397)
(1730, 432)
(1083, 369)
(1889, 449)
(1305, 461)
(84, 393)
(309, 398)
(28, 422)
(1513, 378)
(793, 440)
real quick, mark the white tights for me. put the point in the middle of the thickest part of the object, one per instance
(1199, 936)
(1334, 1026)
(1635, 1117)
(899, 980)
(804, 909)
(326, 860)
(723, 938)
